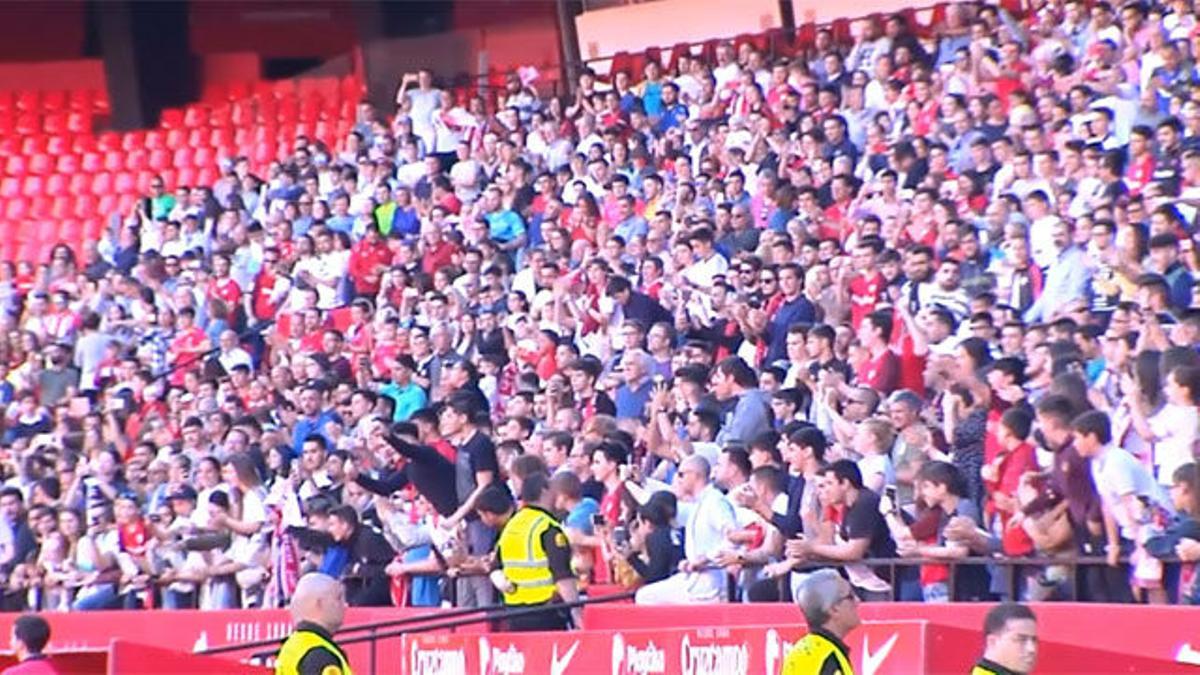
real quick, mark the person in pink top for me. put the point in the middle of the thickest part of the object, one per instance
(30, 634)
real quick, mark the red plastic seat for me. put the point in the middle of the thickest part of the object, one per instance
(16, 208)
(102, 184)
(91, 162)
(114, 160)
(27, 100)
(85, 206)
(56, 185)
(60, 208)
(10, 186)
(16, 166)
(82, 144)
(168, 177)
(133, 140)
(55, 99)
(125, 183)
(57, 145)
(171, 118)
(185, 176)
(155, 140)
(33, 186)
(108, 140)
(126, 202)
(41, 164)
(183, 157)
(33, 144)
(70, 230)
(137, 160)
(160, 159)
(107, 204)
(195, 116)
(176, 138)
(7, 122)
(220, 116)
(67, 164)
(93, 227)
(207, 175)
(7, 101)
(80, 184)
(39, 208)
(80, 100)
(198, 137)
(221, 136)
(204, 157)
(54, 123)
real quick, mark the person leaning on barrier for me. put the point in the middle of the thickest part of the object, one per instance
(533, 557)
(1010, 641)
(318, 608)
(831, 610)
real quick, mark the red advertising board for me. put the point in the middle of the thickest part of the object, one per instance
(193, 630)
(889, 648)
(1168, 633)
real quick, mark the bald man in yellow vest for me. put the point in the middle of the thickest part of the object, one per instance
(318, 608)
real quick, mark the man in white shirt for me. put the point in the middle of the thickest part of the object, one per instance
(708, 263)
(1127, 490)
(710, 519)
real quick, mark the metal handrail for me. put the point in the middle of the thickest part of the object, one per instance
(425, 622)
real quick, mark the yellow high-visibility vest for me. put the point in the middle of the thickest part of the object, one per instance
(809, 655)
(299, 644)
(523, 558)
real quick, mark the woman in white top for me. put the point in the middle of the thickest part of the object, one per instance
(1173, 430)
(245, 522)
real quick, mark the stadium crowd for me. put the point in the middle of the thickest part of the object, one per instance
(928, 297)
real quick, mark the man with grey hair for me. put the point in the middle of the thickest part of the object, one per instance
(709, 518)
(831, 610)
(634, 393)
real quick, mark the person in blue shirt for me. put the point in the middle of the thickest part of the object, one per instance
(312, 419)
(408, 395)
(674, 114)
(505, 226)
(634, 393)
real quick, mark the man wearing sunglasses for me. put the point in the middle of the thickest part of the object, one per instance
(831, 610)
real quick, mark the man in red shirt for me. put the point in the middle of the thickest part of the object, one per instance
(222, 285)
(30, 633)
(369, 259)
(189, 344)
(881, 369)
(436, 251)
(867, 286)
(271, 286)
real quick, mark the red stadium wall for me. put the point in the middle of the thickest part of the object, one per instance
(273, 28)
(76, 74)
(48, 30)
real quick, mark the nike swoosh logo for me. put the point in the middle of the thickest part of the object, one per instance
(872, 662)
(1188, 655)
(559, 666)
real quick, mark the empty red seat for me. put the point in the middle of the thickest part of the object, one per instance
(56, 185)
(155, 139)
(176, 138)
(102, 184)
(27, 123)
(114, 160)
(84, 207)
(207, 175)
(80, 100)
(220, 116)
(54, 123)
(92, 228)
(221, 136)
(32, 144)
(70, 230)
(39, 208)
(106, 205)
(133, 140)
(185, 175)
(183, 158)
(41, 164)
(124, 183)
(137, 160)
(9, 146)
(27, 100)
(171, 118)
(7, 101)
(67, 164)
(92, 162)
(80, 185)
(197, 137)
(57, 145)
(126, 202)
(82, 144)
(108, 140)
(16, 165)
(60, 208)
(160, 159)
(33, 186)
(195, 116)
(16, 208)
(55, 99)
(10, 187)
(203, 157)
(168, 177)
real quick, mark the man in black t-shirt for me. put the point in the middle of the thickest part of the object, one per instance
(476, 467)
(862, 534)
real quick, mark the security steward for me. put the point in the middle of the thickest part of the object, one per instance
(831, 610)
(533, 558)
(318, 608)
(1010, 641)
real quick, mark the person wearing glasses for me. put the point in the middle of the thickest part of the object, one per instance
(1011, 643)
(831, 610)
